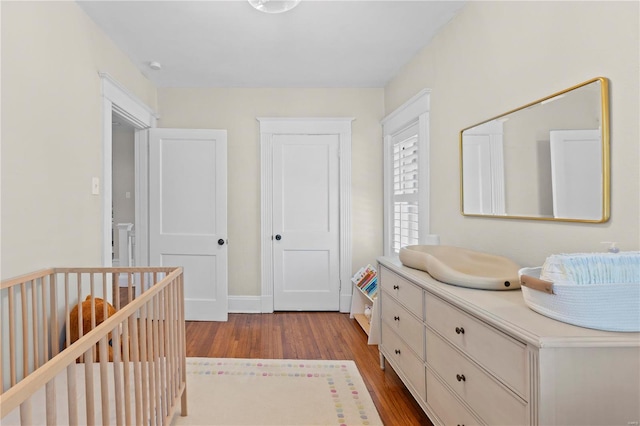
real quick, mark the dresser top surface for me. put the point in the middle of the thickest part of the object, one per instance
(506, 310)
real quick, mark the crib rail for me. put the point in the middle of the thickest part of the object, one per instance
(145, 339)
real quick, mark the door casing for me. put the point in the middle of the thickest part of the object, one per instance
(118, 100)
(314, 126)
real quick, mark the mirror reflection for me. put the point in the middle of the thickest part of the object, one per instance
(547, 160)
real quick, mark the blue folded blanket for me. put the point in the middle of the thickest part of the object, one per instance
(592, 268)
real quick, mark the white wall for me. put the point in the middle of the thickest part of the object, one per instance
(493, 57)
(236, 110)
(51, 133)
(496, 56)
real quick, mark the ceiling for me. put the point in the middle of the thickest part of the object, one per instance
(320, 43)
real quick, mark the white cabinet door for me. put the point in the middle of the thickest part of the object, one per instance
(306, 237)
(188, 214)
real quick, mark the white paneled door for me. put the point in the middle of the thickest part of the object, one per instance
(188, 214)
(306, 236)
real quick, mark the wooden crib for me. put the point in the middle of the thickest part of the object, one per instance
(47, 379)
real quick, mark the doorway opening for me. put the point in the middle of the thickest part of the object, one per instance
(125, 108)
(123, 193)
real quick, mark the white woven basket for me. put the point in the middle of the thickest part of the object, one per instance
(610, 307)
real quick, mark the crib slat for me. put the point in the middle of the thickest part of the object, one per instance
(34, 323)
(182, 345)
(144, 360)
(156, 351)
(45, 323)
(25, 330)
(80, 314)
(50, 400)
(151, 355)
(115, 286)
(26, 413)
(12, 336)
(55, 327)
(117, 372)
(135, 351)
(66, 310)
(130, 294)
(170, 340)
(166, 351)
(88, 386)
(104, 295)
(127, 377)
(72, 394)
(92, 293)
(104, 379)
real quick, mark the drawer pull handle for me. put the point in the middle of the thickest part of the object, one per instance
(397, 351)
(396, 287)
(459, 330)
(461, 377)
(396, 318)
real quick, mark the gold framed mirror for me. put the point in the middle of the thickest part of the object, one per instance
(547, 160)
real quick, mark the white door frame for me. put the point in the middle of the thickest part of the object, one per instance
(304, 126)
(116, 99)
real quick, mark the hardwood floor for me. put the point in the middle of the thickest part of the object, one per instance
(307, 335)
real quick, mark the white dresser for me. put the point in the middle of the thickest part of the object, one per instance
(483, 357)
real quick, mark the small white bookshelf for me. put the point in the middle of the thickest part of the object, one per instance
(359, 300)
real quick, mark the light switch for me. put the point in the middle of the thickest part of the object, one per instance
(95, 186)
(127, 194)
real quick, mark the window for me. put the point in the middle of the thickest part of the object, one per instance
(405, 188)
(406, 175)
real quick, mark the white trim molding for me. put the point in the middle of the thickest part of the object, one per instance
(245, 304)
(415, 110)
(270, 126)
(116, 99)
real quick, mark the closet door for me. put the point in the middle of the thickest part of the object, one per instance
(306, 242)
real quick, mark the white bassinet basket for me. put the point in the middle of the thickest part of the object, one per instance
(609, 306)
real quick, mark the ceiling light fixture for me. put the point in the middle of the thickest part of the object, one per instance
(155, 65)
(274, 6)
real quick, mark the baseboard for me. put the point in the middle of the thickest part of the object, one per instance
(345, 303)
(254, 304)
(245, 304)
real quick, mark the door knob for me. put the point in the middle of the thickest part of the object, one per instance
(278, 237)
(220, 242)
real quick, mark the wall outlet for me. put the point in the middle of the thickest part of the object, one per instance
(95, 186)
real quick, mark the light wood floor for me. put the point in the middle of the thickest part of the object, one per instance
(307, 335)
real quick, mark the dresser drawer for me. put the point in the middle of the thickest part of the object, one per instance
(446, 406)
(504, 356)
(495, 404)
(399, 353)
(408, 294)
(405, 325)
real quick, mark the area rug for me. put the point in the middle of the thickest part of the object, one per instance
(235, 391)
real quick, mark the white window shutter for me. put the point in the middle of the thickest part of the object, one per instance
(405, 188)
